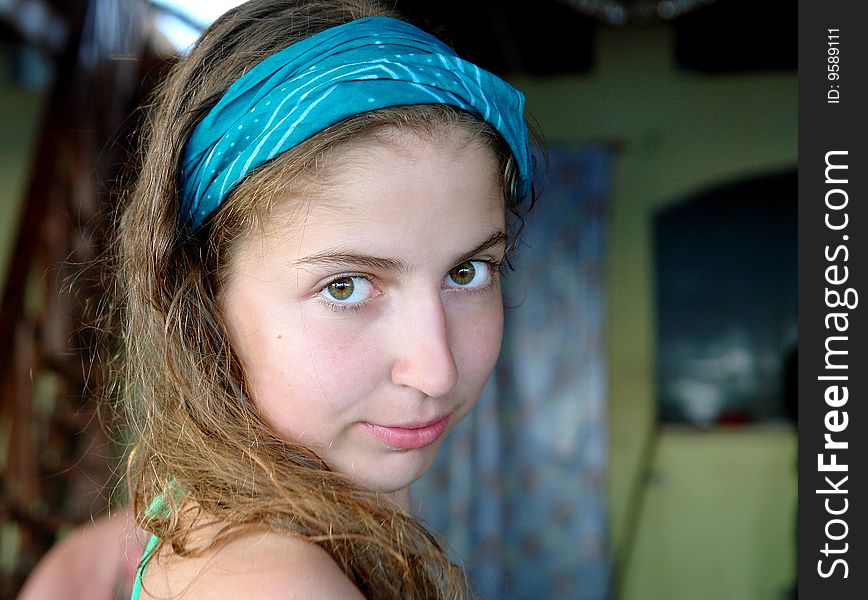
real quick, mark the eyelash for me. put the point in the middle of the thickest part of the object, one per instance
(494, 265)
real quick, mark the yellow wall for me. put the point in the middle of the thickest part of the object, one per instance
(676, 132)
(718, 519)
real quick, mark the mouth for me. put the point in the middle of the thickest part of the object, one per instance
(410, 437)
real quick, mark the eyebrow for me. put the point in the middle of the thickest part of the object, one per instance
(339, 257)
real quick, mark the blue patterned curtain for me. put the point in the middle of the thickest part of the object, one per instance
(518, 490)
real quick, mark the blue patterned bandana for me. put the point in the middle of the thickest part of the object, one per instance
(364, 65)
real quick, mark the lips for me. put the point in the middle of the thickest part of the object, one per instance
(410, 438)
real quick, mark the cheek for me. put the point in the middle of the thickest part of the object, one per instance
(300, 369)
(479, 342)
(306, 384)
(341, 355)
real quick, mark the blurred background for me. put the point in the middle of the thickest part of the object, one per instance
(638, 437)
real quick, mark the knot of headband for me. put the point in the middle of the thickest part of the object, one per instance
(364, 65)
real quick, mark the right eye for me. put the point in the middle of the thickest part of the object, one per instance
(348, 290)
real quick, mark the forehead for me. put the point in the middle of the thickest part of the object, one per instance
(398, 193)
(353, 156)
(401, 174)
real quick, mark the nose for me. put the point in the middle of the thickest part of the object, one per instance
(424, 359)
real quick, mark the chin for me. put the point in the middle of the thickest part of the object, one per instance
(397, 470)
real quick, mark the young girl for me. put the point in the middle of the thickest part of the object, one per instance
(308, 288)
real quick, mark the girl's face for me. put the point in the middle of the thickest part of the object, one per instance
(368, 315)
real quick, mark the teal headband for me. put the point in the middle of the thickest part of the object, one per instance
(364, 65)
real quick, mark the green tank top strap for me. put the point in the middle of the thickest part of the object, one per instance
(157, 508)
(140, 572)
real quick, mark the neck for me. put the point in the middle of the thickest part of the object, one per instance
(401, 497)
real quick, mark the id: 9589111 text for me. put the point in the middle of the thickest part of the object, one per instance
(833, 66)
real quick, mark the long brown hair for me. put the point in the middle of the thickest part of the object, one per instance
(198, 443)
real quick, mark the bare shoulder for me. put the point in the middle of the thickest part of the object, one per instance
(90, 562)
(254, 564)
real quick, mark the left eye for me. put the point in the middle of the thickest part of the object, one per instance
(469, 274)
(351, 289)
